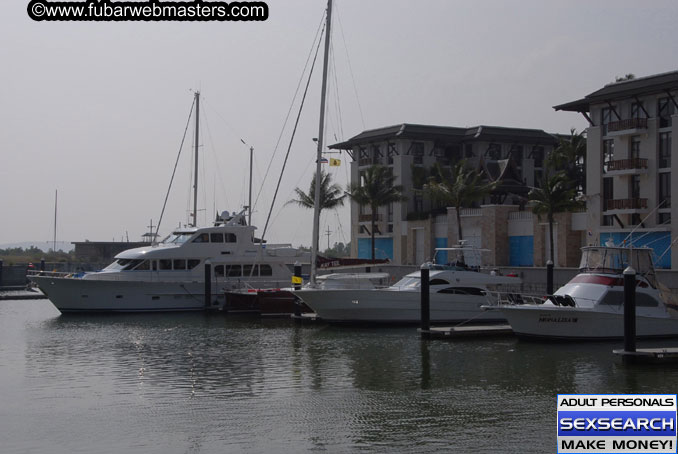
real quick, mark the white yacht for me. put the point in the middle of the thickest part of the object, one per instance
(457, 293)
(591, 305)
(170, 276)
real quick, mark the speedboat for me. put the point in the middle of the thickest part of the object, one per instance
(591, 305)
(170, 276)
(457, 294)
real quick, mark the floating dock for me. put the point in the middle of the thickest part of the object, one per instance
(649, 355)
(466, 331)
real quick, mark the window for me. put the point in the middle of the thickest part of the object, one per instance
(192, 263)
(233, 270)
(469, 151)
(250, 270)
(665, 109)
(665, 189)
(143, 266)
(608, 191)
(438, 282)
(216, 237)
(664, 150)
(154, 265)
(634, 186)
(635, 147)
(517, 153)
(493, 151)
(202, 238)
(417, 150)
(179, 264)
(608, 153)
(637, 110)
(230, 238)
(537, 155)
(265, 270)
(391, 151)
(165, 264)
(664, 218)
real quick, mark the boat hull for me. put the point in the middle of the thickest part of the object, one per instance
(389, 306)
(554, 322)
(82, 295)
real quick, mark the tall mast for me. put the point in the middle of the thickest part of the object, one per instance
(56, 194)
(197, 141)
(321, 133)
(249, 217)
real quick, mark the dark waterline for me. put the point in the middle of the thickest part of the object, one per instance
(207, 383)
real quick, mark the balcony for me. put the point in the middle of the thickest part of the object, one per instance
(625, 206)
(368, 218)
(625, 127)
(626, 166)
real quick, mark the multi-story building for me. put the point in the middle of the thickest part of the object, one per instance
(408, 232)
(629, 163)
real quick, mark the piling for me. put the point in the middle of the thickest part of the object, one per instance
(1, 264)
(549, 277)
(42, 265)
(629, 309)
(297, 286)
(425, 301)
(208, 284)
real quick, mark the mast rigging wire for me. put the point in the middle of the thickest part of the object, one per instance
(294, 131)
(164, 205)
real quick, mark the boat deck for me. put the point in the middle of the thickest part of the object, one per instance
(466, 331)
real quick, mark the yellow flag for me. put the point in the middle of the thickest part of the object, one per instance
(335, 162)
(297, 280)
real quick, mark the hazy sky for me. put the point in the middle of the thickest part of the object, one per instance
(97, 110)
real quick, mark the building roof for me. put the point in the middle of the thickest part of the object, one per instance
(641, 86)
(448, 133)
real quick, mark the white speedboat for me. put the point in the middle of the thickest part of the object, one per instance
(170, 276)
(457, 294)
(591, 305)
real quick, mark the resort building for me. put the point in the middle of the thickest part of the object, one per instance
(629, 163)
(408, 232)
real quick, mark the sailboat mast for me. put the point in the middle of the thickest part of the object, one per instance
(249, 217)
(197, 141)
(321, 133)
(56, 198)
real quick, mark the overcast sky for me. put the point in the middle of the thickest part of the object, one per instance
(97, 110)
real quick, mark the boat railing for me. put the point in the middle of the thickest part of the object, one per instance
(513, 298)
(50, 273)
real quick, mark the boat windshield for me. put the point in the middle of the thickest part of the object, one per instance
(409, 282)
(615, 261)
(178, 238)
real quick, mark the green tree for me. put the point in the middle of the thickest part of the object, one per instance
(570, 157)
(556, 195)
(331, 195)
(460, 188)
(376, 189)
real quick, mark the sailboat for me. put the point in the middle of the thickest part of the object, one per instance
(171, 275)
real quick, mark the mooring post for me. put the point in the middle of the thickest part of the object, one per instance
(549, 277)
(208, 284)
(425, 301)
(42, 265)
(1, 263)
(629, 309)
(297, 286)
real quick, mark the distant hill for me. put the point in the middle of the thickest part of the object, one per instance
(65, 246)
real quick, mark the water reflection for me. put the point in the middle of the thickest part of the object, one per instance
(210, 383)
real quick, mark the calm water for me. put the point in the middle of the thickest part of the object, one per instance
(196, 383)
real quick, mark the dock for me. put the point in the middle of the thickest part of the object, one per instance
(649, 355)
(466, 331)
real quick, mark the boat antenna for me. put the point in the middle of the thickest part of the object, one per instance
(321, 133)
(56, 194)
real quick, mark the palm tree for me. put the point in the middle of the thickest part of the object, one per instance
(376, 189)
(570, 157)
(555, 195)
(331, 195)
(462, 187)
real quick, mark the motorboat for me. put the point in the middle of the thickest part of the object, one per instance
(591, 305)
(170, 275)
(457, 294)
